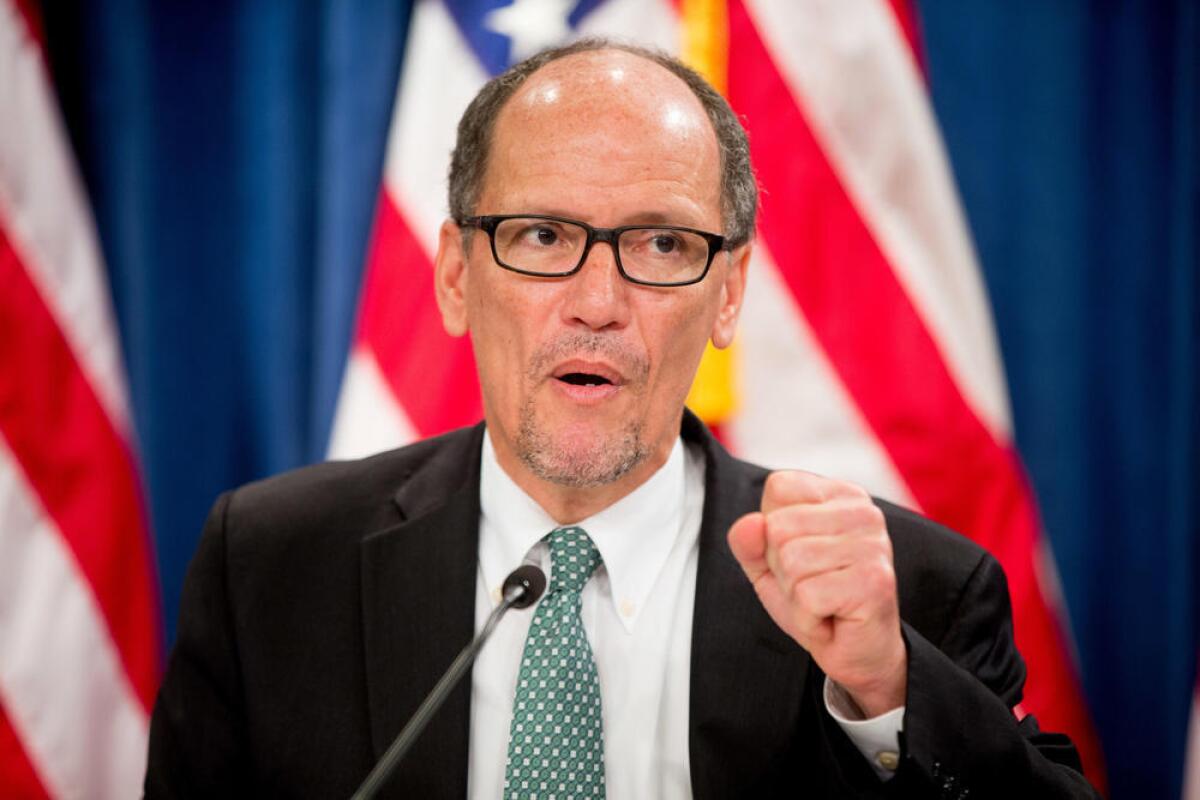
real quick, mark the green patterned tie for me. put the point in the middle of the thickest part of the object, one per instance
(556, 742)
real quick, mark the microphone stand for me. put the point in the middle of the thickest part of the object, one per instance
(522, 588)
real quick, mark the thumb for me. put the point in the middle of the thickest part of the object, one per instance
(748, 541)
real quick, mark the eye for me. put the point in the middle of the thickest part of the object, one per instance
(665, 244)
(545, 236)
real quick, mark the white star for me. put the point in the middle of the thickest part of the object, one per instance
(531, 25)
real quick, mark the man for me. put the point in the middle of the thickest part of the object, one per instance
(710, 630)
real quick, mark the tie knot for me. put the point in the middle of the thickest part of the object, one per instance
(573, 559)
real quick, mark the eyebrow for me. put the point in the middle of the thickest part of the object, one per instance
(640, 218)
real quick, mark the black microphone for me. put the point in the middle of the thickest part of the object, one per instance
(523, 586)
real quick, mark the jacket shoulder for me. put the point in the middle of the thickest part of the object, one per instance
(357, 495)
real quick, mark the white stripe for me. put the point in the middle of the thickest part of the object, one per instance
(61, 681)
(369, 420)
(437, 81)
(439, 78)
(794, 411)
(43, 208)
(852, 73)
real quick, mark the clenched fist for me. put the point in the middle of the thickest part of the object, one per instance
(820, 560)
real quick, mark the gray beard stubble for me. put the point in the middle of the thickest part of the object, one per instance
(558, 463)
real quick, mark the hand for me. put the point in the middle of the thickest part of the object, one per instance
(820, 560)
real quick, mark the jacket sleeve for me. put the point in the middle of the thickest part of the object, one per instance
(961, 738)
(197, 730)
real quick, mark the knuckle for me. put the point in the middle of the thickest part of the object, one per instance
(781, 486)
(794, 486)
(801, 552)
(885, 549)
(855, 515)
(805, 595)
(788, 523)
(850, 490)
(881, 546)
(864, 515)
(788, 558)
(777, 529)
(880, 577)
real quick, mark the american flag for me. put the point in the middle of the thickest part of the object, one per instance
(79, 631)
(867, 349)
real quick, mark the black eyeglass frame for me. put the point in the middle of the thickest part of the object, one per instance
(489, 222)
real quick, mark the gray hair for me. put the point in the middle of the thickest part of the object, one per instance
(468, 164)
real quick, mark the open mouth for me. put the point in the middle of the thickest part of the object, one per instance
(584, 379)
(587, 378)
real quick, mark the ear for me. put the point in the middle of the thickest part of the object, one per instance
(733, 291)
(450, 278)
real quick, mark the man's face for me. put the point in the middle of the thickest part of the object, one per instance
(584, 378)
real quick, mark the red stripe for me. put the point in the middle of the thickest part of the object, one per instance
(906, 18)
(18, 779)
(79, 466)
(894, 369)
(431, 373)
(33, 22)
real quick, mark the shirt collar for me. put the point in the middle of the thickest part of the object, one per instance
(634, 535)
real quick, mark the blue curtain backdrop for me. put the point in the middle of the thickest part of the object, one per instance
(1073, 130)
(233, 154)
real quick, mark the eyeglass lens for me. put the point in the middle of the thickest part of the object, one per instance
(553, 247)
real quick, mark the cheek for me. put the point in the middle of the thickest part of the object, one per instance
(682, 333)
(491, 341)
(504, 320)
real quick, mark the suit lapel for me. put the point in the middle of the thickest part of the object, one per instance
(418, 599)
(747, 680)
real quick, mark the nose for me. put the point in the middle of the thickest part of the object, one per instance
(597, 296)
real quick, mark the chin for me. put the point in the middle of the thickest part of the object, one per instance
(579, 454)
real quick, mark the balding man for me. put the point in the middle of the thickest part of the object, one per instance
(710, 629)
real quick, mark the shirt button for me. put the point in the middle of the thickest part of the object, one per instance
(627, 608)
(888, 759)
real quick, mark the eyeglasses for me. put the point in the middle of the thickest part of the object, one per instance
(553, 247)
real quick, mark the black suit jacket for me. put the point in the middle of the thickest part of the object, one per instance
(322, 605)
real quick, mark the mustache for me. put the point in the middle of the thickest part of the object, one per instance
(632, 364)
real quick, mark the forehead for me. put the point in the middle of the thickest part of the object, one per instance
(605, 118)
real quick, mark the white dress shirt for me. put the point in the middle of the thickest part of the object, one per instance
(637, 612)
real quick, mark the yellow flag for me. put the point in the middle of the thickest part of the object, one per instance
(706, 49)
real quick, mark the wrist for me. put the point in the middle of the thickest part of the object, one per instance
(884, 694)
